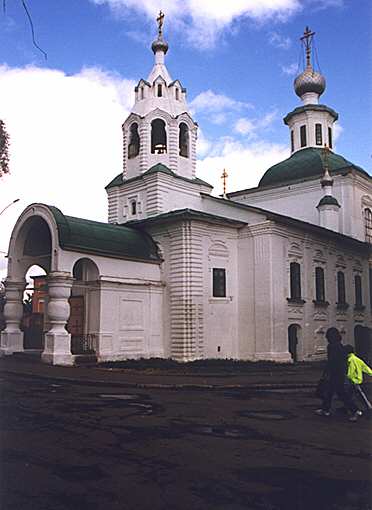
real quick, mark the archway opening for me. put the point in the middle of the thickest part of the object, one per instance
(134, 141)
(83, 323)
(35, 300)
(294, 333)
(158, 137)
(363, 343)
(183, 140)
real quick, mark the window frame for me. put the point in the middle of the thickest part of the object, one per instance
(318, 134)
(218, 290)
(303, 136)
(367, 217)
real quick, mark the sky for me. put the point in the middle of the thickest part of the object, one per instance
(237, 60)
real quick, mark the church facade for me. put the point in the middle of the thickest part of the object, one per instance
(258, 274)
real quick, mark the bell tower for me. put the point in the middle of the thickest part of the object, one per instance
(160, 128)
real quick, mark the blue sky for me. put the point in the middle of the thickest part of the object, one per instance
(237, 60)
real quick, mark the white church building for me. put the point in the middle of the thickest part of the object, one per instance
(258, 274)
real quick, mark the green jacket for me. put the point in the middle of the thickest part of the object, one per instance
(355, 369)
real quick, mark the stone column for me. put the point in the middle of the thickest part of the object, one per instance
(12, 336)
(57, 350)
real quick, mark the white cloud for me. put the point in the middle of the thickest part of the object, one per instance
(251, 127)
(245, 163)
(202, 22)
(65, 134)
(210, 102)
(279, 41)
(337, 131)
(290, 69)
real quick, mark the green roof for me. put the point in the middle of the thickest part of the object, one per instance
(159, 167)
(306, 164)
(119, 241)
(328, 200)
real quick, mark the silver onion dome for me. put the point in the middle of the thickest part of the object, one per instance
(159, 45)
(309, 81)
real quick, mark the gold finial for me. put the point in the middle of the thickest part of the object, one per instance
(160, 20)
(224, 177)
(307, 40)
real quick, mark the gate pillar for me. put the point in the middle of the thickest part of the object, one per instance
(12, 336)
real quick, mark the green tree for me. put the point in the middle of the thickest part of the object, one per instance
(4, 149)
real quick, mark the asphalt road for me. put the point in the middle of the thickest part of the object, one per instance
(77, 447)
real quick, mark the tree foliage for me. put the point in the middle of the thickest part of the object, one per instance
(4, 149)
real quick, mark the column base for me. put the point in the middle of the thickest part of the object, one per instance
(11, 341)
(57, 349)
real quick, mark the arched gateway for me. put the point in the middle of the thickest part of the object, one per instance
(106, 268)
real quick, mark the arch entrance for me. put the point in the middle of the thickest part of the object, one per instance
(34, 306)
(363, 343)
(294, 334)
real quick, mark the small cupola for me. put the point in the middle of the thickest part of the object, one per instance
(311, 124)
(328, 206)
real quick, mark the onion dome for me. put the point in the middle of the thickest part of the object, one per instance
(160, 45)
(309, 81)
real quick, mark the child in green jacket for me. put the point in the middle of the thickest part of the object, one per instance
(355, 369)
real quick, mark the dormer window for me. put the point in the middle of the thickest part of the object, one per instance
(160, 90)
(183, 140)
(303, 136)
(177, 94)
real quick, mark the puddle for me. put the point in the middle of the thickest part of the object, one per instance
(119, 396)
(272, 415)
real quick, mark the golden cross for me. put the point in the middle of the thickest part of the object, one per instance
(160, 20)
(307, 39)
(224, 177)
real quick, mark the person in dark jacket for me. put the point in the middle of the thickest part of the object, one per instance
(336, 370)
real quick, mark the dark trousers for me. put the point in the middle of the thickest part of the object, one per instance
(337, 387)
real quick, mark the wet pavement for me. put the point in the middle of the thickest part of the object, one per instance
(67, 445)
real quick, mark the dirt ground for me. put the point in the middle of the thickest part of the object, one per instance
(76, 447)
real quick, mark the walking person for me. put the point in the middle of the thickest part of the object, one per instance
(336, 371)
(355, 369)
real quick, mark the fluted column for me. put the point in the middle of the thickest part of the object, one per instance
(57, 350)
(12, 336)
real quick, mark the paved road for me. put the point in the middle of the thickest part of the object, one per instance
(76, 447)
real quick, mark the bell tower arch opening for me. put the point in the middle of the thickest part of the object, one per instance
(158, 137)
(183, 140)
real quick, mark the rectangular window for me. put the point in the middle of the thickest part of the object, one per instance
(219, 282)
(177, 94)
(133, 205)
(303, 136)
(292, 140)
(341, 294)
(319, 284)
(295, 280)
(330, 138)
(318, 134)
(160, 90)
(358, 290)
(368, 224)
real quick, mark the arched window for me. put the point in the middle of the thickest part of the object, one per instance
(319, 284)
(303, 136)
(318, 134)
(358, 290)
(134, 141)
(160, 90)
(341, 292)
(295, 280)
(158, 137)
(368, 224)
(142, 93)
(177, 94)
(183, 140)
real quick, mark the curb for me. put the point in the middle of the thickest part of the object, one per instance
(170, 386)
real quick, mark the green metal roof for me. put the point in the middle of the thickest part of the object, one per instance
(119, 241)
(306, 164)
(328, 200)
(159, 167)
